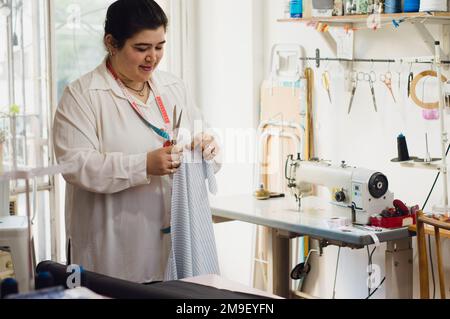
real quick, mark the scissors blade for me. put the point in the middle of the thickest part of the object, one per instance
(329, 95)
(179, 120)
(174, 117)
(374, 99)
(351, 100)
(395, 101)
(176, 128)
(392, 94)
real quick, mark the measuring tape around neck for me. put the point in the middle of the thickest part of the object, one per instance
(134, 106)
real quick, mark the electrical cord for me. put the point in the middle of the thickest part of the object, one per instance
(369, 262)
(335, 273)
(429, 236)
(434, 183)
(375, 290)
(370, 255)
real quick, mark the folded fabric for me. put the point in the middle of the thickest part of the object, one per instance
(193, 250)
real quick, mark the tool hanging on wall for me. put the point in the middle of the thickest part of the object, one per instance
(309, 132)
(387, 80)
(354, 87)
(410, 79)
(370, 78)
(326, 83)
(415, 81)
(309, 126)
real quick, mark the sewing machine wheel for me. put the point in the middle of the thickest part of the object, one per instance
(378, 185)
(300, 271)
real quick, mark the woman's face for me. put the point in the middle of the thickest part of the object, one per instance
(141, 54)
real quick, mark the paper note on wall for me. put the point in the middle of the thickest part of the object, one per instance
(344, 40)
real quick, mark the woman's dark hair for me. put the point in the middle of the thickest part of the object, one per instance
(125, 18)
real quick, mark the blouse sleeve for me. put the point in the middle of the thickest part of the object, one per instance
(76, 142)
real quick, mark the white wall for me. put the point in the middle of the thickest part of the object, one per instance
(232, 35)
(227, 87)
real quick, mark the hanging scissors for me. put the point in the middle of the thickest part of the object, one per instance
(326, 83)
(387, 80)
(370, 78)
(355, 86)
(410, 79)
(176, 125)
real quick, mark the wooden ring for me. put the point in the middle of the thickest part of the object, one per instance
(415, 81)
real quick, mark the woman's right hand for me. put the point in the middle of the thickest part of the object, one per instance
(164, 161)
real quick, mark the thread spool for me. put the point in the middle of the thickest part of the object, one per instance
(402, 149)
(411, 6)
(296, 9)
(433, 5)
(392, 6)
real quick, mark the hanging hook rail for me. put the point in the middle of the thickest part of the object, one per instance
(415, 61)
(318, 59)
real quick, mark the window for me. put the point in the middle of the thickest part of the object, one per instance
(25, 108)
(44, 45)
(79, 31)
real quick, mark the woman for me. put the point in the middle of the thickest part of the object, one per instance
(114, 124)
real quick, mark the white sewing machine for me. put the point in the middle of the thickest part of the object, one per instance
(364, 192)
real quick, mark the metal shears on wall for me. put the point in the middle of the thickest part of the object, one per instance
(387, 80)
(369, 78)
(326, 83)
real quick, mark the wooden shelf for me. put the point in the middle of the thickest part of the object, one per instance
(423, 17)
(418, 20)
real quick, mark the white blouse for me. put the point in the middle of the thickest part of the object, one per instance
(114, 211)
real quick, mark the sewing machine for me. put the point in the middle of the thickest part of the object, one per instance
(364, 192)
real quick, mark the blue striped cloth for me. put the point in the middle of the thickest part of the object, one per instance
(193, 252)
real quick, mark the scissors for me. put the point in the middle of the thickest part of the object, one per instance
(176, 125)
(410, 79)
(387, 80)
(355, 86)
(326, 83)
(370, 78)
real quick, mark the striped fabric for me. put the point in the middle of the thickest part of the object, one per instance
(193, 252)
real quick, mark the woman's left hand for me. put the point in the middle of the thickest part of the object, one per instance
(208, 145)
